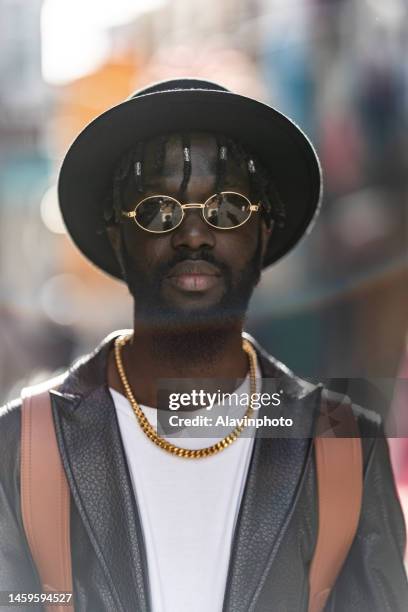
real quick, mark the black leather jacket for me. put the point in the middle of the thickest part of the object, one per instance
(276, 530)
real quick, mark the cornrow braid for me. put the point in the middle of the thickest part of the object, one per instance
(257, 182)
(138, 166)
(254, 180)
(186, 144)
(269, 196)
(258, 187)
(122, 172)
(279, 209)
(221, 164)
(235, 150)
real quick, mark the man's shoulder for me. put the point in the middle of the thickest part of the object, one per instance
(10, 412)
(294, 386)
(368, 404)
(368, 411)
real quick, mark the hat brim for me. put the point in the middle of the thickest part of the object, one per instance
(87, 170)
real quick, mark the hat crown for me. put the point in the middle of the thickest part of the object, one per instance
(186, 83)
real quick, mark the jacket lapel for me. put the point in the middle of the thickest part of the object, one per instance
(93, 456)
(274, 482)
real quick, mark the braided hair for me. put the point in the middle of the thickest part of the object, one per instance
(131, 165)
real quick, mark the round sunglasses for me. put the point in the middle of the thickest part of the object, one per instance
(160, 213)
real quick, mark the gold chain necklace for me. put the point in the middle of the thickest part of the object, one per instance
(152, 434)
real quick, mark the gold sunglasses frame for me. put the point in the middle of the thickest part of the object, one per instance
(132, 214)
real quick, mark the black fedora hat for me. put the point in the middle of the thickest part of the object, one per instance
(186, 105)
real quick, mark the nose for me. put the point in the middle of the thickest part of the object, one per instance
(193, 232)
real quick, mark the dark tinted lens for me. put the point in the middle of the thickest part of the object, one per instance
(158, 213)
(227, 210)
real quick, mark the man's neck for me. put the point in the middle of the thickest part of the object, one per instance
(199, 353)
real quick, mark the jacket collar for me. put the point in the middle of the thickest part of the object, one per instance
(95, 464)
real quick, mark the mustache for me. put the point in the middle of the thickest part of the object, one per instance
(188, 255)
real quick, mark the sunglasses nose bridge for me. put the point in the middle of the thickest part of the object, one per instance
(192, 205)
(198, 206)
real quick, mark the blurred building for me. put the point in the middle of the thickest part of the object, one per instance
(29, 342)
(24, 164)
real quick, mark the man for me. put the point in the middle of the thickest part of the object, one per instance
(186, 191)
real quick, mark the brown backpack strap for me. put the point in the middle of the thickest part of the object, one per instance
(45, 496)
(339, 467)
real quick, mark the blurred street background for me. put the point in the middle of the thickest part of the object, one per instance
(335, 308)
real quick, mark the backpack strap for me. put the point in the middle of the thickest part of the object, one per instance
(339, 467)
(45, 498)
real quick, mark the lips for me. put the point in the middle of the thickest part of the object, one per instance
(190, 266)
(192, 275)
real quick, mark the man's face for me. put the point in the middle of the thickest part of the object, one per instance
(195, 273)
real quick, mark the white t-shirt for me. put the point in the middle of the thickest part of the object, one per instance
(188, 508)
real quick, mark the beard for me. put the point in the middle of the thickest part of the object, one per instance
(197, 333)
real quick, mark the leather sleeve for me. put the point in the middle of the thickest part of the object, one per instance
(373, 578)
(17, 571)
